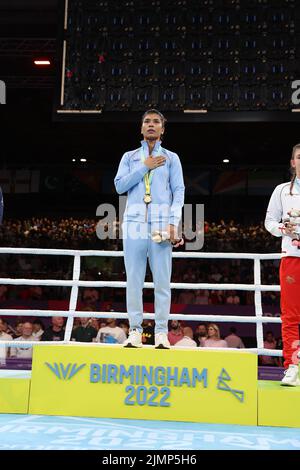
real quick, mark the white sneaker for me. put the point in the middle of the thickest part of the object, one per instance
(291, 376)
(134, 340)
(161, 341)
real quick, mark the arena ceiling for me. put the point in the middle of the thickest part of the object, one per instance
(29, 28)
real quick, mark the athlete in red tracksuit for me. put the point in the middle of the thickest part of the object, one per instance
(286, 198)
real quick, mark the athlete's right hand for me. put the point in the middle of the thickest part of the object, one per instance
(289, 229)
(154, 162)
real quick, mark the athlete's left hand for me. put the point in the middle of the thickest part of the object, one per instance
(173, 235)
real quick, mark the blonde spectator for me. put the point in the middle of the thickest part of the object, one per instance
(213, 340)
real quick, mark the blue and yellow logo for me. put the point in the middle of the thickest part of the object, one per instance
(65, 372)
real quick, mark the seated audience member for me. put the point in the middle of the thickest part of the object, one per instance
(232, 298)
(200, 333)
(233, 340)
(124, 324)
(3, 337)
(213, 340)
(24, 352)
(84, 333)
(186, 297)
(38, 329)
(111, 333)
(3, 292)
(95, 323)
(17, 330)
(56, 332)
(201, 297)
(175, 332)
(90, 298)
(31, 293)
(187, 339)
(216, 297)
(269, 343)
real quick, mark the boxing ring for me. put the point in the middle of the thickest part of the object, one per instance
(190, 382)
(75, 283)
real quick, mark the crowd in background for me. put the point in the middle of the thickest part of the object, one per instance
(74, 233)
(113, 331)
(81, 234)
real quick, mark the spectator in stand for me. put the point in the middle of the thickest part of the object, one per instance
(200, 333)
(232, 298)
(215, 297)
(6, 328)
(31, 293)
(175, 332)
(214, 340)
(95, 323)
(38, 329)
(56, 332)
(187, 340)
(3, 292)
(111, 333)
(24, 352)
(124, 324)
(186, 297)
(84, 333)
(90, 298)
(17, 331)
(233, 340)
(4, 337)
(201, 297)
(269, 343)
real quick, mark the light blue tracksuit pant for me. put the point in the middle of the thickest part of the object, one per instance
(137, 246)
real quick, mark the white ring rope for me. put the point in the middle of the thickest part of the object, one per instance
(75, 283)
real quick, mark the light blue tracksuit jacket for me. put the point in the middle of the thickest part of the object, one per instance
(140, 220)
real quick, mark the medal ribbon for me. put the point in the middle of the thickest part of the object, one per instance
(149, 175)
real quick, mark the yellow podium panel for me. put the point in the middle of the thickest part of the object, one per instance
(174, 385)
(14, 394)
(278, 405)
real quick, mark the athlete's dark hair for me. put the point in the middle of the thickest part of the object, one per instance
(155, 111)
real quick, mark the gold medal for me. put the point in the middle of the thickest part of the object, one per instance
(147, 199)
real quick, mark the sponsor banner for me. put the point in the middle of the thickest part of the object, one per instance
(174, 385)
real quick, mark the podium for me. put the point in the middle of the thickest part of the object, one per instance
(109, 381)
(193, 385)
